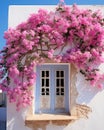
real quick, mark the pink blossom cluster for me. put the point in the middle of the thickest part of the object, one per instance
(38, 38)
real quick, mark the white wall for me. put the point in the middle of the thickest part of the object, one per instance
(87, 94)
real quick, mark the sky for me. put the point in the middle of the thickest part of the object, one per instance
(4, 5)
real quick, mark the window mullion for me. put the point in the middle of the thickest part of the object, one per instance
(52, 88)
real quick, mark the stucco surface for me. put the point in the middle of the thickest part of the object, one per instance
(86, 93)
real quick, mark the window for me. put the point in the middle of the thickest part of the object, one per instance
(52, 89)
(55, 97)
(2, 99)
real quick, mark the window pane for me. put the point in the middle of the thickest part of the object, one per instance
(62, 91)
(43, 91)
(57, 82)
(62, 73)
(57, 91)
(57, 73)
(42, 82)
(47, 73)
(43, 73)
(47, 82)
(62, 82)
(47, 91)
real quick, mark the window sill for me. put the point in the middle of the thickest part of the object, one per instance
(45, 119)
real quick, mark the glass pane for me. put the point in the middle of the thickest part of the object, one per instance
(62, 82)
(62, 91)
(57, 82)
(47, 82)
(57, 73)
(47, 91)
(47, 73)
(43, 73)
(57, 91)
(42, 82)
(62, 73)
(43, 91)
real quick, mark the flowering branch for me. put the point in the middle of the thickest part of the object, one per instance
(37, 39)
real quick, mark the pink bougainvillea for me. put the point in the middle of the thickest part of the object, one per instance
(38, 38)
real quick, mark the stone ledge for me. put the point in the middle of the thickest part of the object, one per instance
(45, 119)
(40, 117)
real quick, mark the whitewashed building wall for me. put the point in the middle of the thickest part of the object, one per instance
(86, 94)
